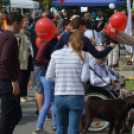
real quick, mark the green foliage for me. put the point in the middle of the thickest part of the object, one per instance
(45, 4)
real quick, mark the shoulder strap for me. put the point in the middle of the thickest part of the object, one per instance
(93, 34)
(97, 74)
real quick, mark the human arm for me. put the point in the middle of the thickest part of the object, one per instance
(59, 44)
(9, 46)
(16, 88)
(85, 69)
(51, 71)
(124, 37)
(88, 47)
(97, 81)
(114, 81)
(41, 53)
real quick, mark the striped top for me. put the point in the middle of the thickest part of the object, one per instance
(68, 72)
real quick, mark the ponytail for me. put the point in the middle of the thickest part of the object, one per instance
(77, 40)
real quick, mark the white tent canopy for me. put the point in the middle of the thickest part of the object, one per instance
(24, 4)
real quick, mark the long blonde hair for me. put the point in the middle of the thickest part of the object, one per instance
(77, 40)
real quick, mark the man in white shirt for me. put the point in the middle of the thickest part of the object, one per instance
(107, 80)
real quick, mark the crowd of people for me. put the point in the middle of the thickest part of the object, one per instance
(61, 66)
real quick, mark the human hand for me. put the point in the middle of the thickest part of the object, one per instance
(117, 86)
(16, 88)
(112, 45)
(113, 84)
(99, 23)
(92, 40)
(115, 31)
(105, 33)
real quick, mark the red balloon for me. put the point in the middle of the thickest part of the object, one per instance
(122, 29)
(118, 20)
(45, 29)
(61, 1)
(38, 42)
(108, 30)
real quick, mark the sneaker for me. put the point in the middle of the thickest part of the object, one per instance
(37, 113)
(39, 131)
(22, 100)
(48, 117)
(29, 99)
(53, 130)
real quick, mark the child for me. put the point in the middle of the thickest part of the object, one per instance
(66, 26)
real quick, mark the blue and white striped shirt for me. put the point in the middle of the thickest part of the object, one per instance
(68, 72)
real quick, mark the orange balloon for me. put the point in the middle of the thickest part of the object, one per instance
(45, 29)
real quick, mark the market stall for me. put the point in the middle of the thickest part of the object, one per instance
(88, 3)
(25, 4)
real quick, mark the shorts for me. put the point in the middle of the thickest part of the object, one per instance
(40, 88)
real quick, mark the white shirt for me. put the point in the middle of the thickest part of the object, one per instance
(93, 34)
(90, 34)
(101, 70)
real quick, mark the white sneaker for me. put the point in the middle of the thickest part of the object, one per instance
(22, 100)
(29, 99)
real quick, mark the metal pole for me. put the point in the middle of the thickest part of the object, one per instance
(10, 5)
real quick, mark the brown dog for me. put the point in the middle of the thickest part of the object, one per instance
(113, 111)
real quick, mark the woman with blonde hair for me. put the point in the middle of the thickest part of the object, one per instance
(68, 68)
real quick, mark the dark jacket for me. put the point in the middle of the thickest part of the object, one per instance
(44, 54)
(35, 49)
(88, 47)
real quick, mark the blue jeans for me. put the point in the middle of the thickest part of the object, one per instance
(49, 98)
(68, 108)
(101, 37)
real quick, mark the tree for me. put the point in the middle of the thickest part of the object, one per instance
(45, 4)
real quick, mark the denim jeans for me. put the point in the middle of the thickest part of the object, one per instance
(49, 98)
(69, 108)
(10, 108)
(40, 89)
(101, 37)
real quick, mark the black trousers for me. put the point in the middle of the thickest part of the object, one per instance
(23, 81)
(10, 108)
(24, 78)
